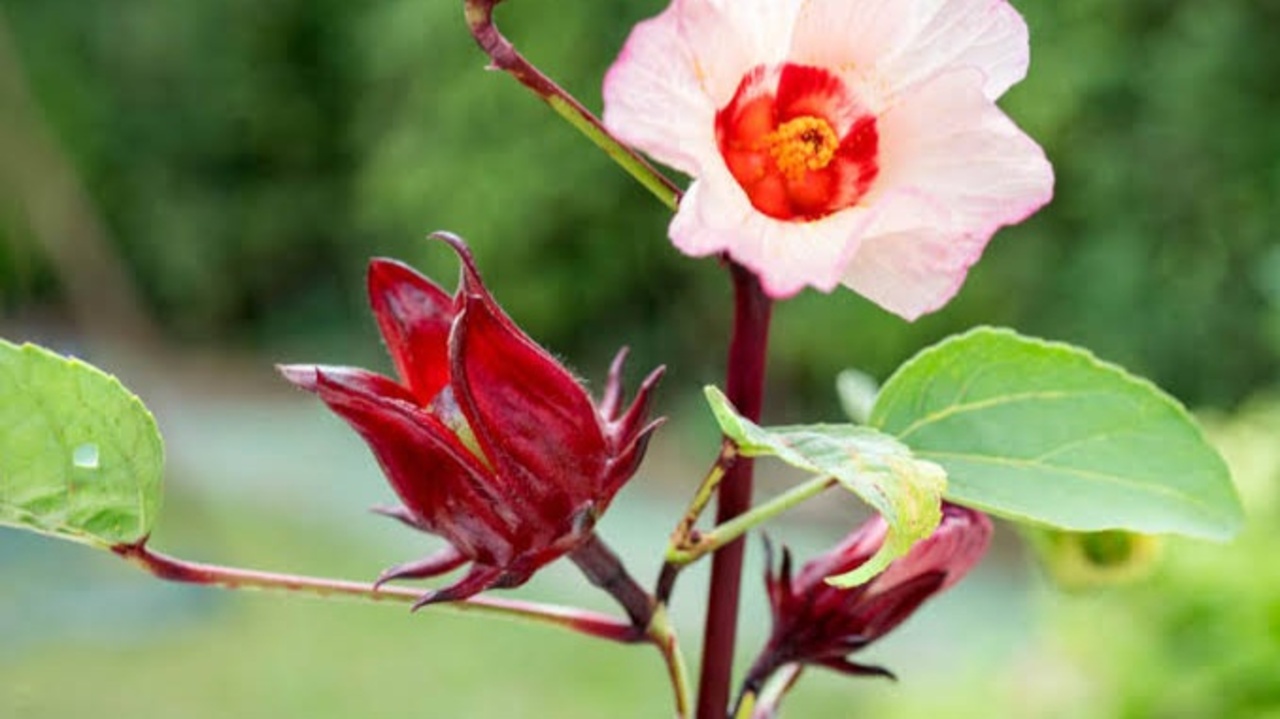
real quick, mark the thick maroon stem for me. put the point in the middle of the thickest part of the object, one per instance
(745, 388)
(604, 569)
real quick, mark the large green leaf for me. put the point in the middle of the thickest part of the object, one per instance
(80, 456)
(906, 491)
(1046, 433)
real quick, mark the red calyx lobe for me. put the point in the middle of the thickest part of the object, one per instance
(816, 623)
(488, 441)
(798, 142)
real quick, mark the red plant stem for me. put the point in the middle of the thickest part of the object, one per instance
(179, 570)
(503, 56)
(745, 388)
(604, 569)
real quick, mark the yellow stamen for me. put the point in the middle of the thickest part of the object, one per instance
(801, 145)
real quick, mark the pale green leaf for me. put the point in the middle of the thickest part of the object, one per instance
(1045, 433)
(881, 470)
(80, 456)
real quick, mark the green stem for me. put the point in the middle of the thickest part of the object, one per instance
(178, 570)
(684, 532)
(663, 636)
(504, 56)
(680, 555)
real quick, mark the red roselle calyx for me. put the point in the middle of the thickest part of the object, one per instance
(487, 440)
(816, 623)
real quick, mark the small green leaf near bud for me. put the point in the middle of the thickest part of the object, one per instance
(881, 470)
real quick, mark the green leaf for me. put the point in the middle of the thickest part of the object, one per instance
(906, 491)
(1045, 433)
(80, 456)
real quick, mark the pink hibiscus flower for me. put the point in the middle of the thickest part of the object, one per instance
(836, 142)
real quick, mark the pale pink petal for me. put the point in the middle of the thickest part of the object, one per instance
(988, 35)
(653, 97)
(895, 45)
(958, 170)
(950, 143)
(913, 272)
(729, 37)
(793, 255)
(678, 68)
(715, 216)
(853, 36)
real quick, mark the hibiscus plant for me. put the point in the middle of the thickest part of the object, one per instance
(830, 143)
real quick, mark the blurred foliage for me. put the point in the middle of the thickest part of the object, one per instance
(247, 156)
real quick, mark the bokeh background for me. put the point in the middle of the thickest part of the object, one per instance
(189, 192)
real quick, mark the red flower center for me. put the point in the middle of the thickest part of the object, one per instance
(798, 142)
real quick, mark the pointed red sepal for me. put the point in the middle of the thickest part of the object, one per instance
(844, 666)
(882, 612)
(414, 316)
(627, 425)
(401, 515)
(480, 578)
(625, 464)
(441, 562)
(611, 398)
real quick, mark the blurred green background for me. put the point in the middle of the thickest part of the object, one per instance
(189, 192)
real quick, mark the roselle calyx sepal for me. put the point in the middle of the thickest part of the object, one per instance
(815, 623)
(487, 440)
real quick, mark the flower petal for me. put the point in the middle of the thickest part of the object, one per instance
(729, 37)
(653, 97)
(954, 169)
(715, 215)
(897, 45)
(678, 68)
(414, 316)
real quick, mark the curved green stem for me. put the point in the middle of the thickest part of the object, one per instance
(504, 56)
(684, 532)
(698, 545)
(663, 636)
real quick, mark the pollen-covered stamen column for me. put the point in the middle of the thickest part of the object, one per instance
(745, 388)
